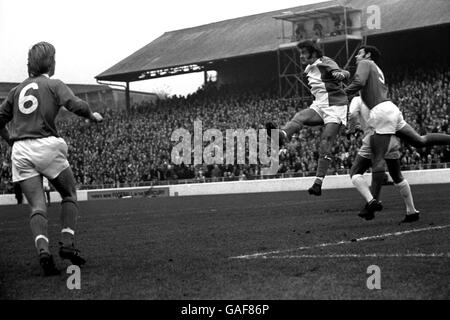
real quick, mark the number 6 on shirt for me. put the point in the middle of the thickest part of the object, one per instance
(23, 99)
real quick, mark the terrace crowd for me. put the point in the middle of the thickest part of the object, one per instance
(135, 146)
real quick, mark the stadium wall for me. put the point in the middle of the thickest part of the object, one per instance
(10, 199)
(430, 46)
(261, 68)
(435, 176)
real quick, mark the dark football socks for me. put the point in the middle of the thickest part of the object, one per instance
(69, 215)
(39, 230)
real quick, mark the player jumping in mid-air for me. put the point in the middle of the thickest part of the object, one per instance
(385, 117)
(38, 151)
(329, 108)
(359, 114)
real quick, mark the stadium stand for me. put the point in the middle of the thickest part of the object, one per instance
(131, 149)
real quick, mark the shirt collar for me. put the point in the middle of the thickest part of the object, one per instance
(309, 66)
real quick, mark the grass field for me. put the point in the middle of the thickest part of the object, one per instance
(256, 246)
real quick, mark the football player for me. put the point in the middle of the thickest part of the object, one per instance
(385, 117)
(329, 108)
(38, 150)
(359, 116)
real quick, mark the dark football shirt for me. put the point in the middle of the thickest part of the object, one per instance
(369, 79)
(32, 107)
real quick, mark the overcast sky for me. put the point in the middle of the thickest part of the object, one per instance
(92, 35)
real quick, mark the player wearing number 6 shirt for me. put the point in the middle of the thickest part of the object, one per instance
(385, 117)
(38, 150)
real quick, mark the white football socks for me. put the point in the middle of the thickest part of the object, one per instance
(362, 186)
(405, 191)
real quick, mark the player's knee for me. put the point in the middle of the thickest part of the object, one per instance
(355, 177)
(325, 146)
(328, 137)
(397, 177)
(378, 170)
(300, 117)
(38, 212)
(325, 153)
(378, 166)
(70, 199)
(419, 141)
(423, 141)
(68, 193)
(354, 170)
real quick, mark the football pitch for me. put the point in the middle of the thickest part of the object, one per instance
(286, 245)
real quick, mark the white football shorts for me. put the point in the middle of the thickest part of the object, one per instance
(386, 118)
(32, 157)
(331, 114)
(392, 152)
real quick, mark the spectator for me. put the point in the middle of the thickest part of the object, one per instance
(131, 148)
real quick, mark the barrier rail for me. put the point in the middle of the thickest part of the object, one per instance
(433, 176)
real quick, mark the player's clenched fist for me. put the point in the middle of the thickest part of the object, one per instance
(96, 117)
(341, 74)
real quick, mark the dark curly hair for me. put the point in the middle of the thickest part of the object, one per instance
(375, 54)
(311, 46)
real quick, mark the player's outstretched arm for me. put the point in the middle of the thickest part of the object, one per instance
(340, 74)
(5, 135)
(6, 115)
(74, 104)
(96, 117)
(331, 66)
(359, 80)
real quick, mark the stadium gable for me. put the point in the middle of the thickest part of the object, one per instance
(220, 40)
(260, 33)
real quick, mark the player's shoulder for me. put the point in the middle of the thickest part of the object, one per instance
(23, 84)
(367, 64)
(327, 59)
(18, 87)
(40, 81)
(56, 84)
(328, 63)
(13, 90)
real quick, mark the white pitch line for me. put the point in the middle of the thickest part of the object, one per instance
(369, 255)
(328, 244)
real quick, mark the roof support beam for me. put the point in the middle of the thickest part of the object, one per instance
(127, 97)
